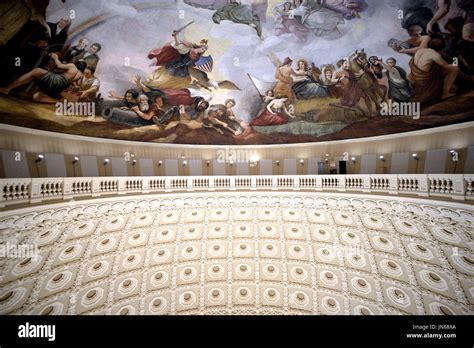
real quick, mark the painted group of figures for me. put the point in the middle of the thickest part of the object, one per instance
(433, 76)
(183, 96)
(299, 17)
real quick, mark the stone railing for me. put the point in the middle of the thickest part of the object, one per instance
(37, 190)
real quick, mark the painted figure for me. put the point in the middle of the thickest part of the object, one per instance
(57, 34)
(276, 113)
(90, 57)
(20, 19)
(155, 111)
(350, 9)
(50, 84)
(286, 23)
(431, 77)
(306, 86)
(72, 52)
(285, 82)
(319, 20)
(399, 86)
(236, 12)
(416, 41)
(178, 56)
(347, 86)
(207, 4)
(329, 80)
(444, 7)
(259, 7)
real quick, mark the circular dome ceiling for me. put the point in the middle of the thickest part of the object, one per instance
(259, 253)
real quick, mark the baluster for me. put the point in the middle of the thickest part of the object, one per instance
(433, 185)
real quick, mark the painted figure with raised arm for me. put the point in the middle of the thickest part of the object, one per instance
(306, 86)
(398, 85)
(416, 41)
(444, 7)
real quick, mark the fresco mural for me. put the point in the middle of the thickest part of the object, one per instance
(241, 72)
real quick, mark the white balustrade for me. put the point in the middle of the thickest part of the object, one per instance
(36, 190)
(15, 190)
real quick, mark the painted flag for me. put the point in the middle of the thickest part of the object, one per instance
(261, 86)
(205, 64)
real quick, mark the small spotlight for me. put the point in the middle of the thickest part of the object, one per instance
(75, 160)
(185, 163)
(302, 161)
(208, 163)
(327, 155)
(134, 162)
(39, 158)
(106, 161)
(382, 158)
(231, 163)
(452, 151)
(277, 162)
(132, 155)
(415, 156)
(353, 159)
(160, 163)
